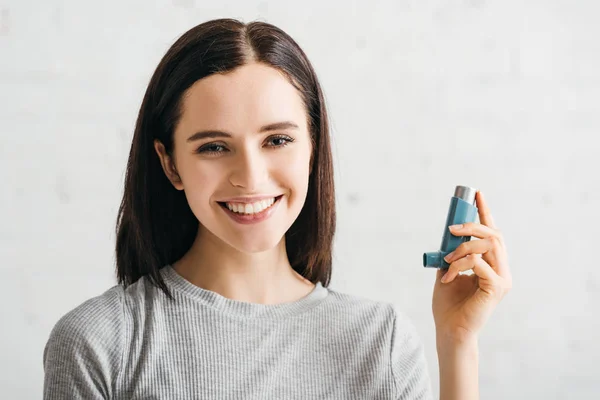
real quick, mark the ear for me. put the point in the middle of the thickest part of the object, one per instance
(168, 165)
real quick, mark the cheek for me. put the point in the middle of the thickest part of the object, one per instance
(200, 180)
(297, 171)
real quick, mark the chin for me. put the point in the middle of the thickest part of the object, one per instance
(253, 245)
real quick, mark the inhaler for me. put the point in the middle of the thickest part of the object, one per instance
(462, 210)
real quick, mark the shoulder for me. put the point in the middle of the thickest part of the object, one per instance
(391, 323)
(408, 361)
(367, 317)
(93, 324)
(360, 305)
(396, 333)
(100, 324)
(102, 320)
(357, 307)
(83, 353)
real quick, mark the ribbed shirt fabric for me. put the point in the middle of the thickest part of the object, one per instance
(135, 343)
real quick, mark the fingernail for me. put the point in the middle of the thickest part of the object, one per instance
(456, 226)
(445, 277)
(449, 257)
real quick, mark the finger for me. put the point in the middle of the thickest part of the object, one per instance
(474, 229)
(472, 247)
(491, 249)
(481, 268)
(485, 215)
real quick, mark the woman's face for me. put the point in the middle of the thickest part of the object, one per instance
(243, 134)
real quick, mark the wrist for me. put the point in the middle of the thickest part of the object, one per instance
(458, 367)
(457, 340)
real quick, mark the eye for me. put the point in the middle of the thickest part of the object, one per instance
(216, 148)
(280, 140)
(211, 148)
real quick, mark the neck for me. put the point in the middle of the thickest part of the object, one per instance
(263, 278)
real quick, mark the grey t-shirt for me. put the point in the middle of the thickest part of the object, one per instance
(135, 343)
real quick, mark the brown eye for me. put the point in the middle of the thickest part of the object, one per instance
(280, 140)
(211, 148)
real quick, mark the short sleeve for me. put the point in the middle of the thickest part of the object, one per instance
(82, 356)
(409, 366)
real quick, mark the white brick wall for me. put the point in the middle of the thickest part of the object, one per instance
(500, 95)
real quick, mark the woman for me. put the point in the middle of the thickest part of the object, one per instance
(224, 242)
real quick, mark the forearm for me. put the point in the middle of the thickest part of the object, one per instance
(459, 368)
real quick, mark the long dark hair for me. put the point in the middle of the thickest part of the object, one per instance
(155, 225)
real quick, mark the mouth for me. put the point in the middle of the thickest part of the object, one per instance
(250, 209)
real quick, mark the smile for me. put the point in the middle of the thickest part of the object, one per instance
(248, 213)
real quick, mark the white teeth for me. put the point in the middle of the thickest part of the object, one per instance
(252, 208)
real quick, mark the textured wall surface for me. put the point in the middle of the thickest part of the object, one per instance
(423, 95)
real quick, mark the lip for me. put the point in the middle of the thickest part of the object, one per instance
(249, 199)
(251, 218)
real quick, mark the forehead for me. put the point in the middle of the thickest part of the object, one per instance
(242, 100)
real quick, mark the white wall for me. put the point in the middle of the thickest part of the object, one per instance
(424, 95)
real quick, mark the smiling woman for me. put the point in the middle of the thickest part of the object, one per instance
(234, 122)
(224, 246)
(222, 148)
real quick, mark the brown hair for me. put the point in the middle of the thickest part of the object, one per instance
(155, 225)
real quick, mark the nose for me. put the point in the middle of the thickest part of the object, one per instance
(250, 170)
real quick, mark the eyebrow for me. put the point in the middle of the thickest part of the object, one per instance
(218, 134)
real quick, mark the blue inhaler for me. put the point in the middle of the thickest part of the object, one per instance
(462, 209)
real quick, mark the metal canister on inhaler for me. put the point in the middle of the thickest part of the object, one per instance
(462, 210)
